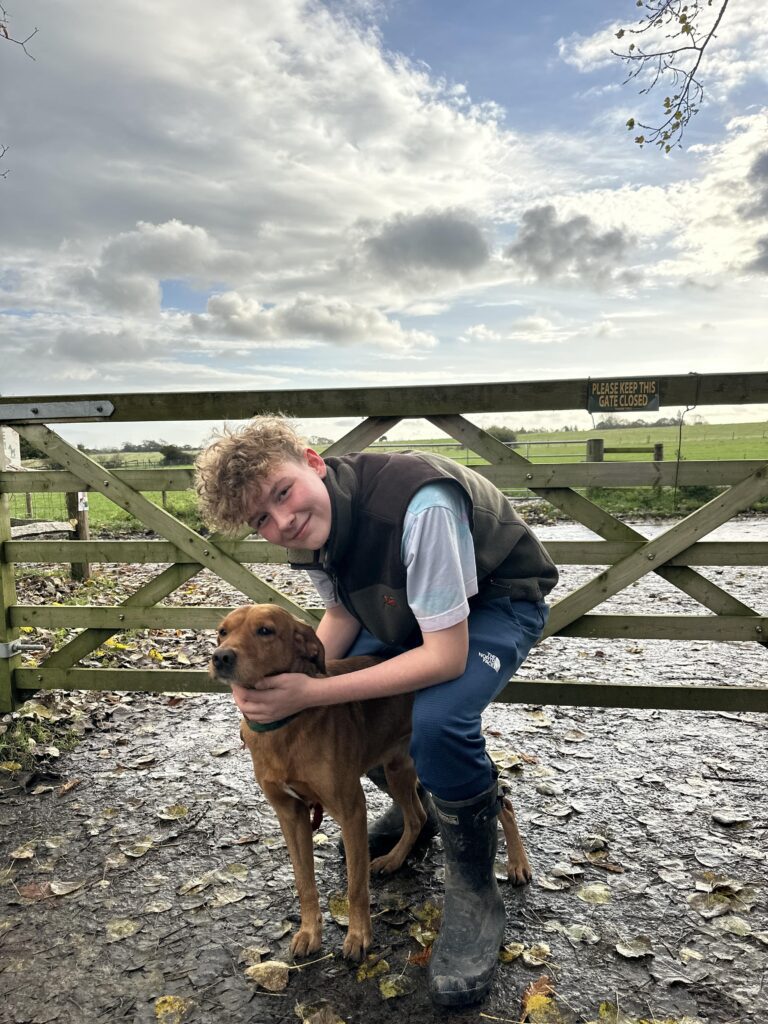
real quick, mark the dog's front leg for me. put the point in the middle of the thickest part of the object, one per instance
(518, 866)
(354, 830)
(295, 823)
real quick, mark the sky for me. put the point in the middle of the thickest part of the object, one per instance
(285, 194)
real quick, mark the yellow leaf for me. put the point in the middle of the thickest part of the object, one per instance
(272, 975)
(172, 1009)
(24, 852)
(10, 766)
(338, 904)
(372, 967)
(395, 985)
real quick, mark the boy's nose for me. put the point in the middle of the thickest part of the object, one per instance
(283, 519)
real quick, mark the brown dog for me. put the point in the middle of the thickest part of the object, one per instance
(317, 757)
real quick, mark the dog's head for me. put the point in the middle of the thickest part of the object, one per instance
(261, 640)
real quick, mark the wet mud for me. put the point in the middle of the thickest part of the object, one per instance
(143, 873)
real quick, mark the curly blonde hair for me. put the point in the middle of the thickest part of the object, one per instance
(237, 460)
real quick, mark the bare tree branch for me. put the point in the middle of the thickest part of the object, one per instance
(674, 55)
(5, 33)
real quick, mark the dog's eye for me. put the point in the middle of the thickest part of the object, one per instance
(222, 632)
(265, 631)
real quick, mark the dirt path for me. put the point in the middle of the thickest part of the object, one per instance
(144, 872)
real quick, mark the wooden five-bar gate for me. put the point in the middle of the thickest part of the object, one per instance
(627, 554)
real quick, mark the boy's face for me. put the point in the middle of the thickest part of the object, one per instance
(292, 507)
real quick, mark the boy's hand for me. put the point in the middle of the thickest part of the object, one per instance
(276, 697)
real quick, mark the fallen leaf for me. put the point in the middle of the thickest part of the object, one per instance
(68, 787)
(734, 924)
(537, 999)
(120, 928)
(10, 766)
(710, 904)
(372, 967)
(338, 904)
(596, 892)
(317, 1013)
(635, 949)
(537, 954)
(24, 852)
(157, 907)
(251, 955)
(35, 891)
(173, 812)
(271, 975)
(731, 818)
(395, 985)
(61, 888)
(510, 952)
(139, 848)
(172, 1009)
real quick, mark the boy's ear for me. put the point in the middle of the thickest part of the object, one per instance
(316, 462)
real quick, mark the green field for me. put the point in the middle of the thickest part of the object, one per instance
(702, 441)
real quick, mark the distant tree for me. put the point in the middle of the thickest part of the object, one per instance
(671, 39)
(173, 455)
(501, 433)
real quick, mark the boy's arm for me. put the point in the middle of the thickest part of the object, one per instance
(441, 657)
(338, 630)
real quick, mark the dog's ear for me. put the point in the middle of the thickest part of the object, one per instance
(307, 648)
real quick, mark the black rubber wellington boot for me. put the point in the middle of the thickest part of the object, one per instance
(466, 951)
(385, 831)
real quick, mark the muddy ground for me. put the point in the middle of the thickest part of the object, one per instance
(143, 872)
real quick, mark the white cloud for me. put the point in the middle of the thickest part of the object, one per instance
(334, 321)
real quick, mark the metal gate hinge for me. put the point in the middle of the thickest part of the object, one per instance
(10, 650)
(42, 412)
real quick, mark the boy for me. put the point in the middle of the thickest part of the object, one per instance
(424, 561)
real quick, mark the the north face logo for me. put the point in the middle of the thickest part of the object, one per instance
(490, 660)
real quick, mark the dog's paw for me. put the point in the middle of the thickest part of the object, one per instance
(519, 872)
(386, 865)
(356, 944)
(306, 941)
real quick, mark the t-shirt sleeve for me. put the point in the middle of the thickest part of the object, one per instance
(323, 584)
(439, 556)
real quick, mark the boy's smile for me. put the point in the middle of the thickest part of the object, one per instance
(292, 507)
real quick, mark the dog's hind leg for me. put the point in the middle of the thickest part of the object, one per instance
(518, 866)
(402, 781)
(294, 821)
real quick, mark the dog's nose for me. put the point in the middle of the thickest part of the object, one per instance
(224, 659)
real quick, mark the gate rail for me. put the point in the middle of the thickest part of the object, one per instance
(627, 554)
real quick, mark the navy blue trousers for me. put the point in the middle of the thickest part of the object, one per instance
(448, 746)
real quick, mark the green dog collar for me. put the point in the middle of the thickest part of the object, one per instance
(270, 726)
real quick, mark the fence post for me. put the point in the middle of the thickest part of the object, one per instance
(658, 452)
(595, 449)
(79, 570)
(9, 453)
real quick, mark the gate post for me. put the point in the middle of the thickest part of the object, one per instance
(75, 510)
(9, 449)
(595, 449)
